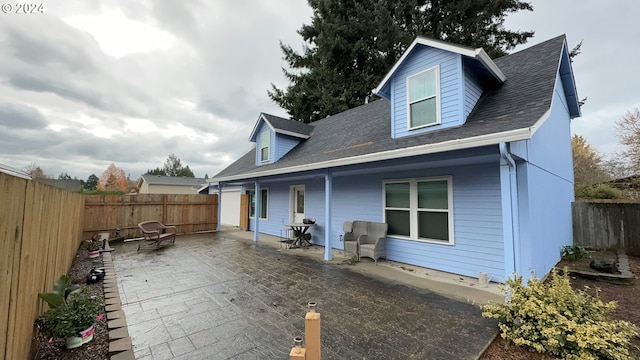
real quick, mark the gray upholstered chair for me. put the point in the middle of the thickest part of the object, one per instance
(372, 244)
(353, 231)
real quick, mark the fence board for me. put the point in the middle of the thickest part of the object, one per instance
(40, 227)
(188, 212)
(606, 225)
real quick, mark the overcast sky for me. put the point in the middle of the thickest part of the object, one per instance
(90, 83)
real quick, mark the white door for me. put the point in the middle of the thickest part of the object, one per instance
(297, 203)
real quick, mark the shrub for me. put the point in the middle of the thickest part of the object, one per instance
(554, 318)
(573, 252)
(601, 191)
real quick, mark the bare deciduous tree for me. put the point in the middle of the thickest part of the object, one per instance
(628, 128)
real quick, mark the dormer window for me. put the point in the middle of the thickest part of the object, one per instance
(265, 144)
(423, 93)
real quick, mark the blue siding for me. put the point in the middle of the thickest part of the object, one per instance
(284, 144)
(545, 194)
(472, 91)
(477, 216)
(451, 83)
(261, 129)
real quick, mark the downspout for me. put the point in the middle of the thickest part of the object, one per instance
(509, 186)
(328, 187)
(219, 227)
(256, 213)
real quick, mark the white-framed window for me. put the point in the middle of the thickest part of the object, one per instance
(420, 209)
(423, 98)
(264, 201)
(265, 144)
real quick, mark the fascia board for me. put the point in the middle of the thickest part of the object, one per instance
(451, 145)
(255, 127)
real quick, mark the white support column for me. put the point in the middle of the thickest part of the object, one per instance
(219, 206)
(328, 185)
(256, 213)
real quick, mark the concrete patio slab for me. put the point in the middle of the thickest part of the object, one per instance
(221, 296)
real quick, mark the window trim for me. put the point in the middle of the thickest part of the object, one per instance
(263, 135)
(435, 68)
(252, 191)
(414, 210)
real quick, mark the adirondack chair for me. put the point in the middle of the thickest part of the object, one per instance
(156, 235)
(372, 244)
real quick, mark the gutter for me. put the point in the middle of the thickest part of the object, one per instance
(457, 144)
(511, 228)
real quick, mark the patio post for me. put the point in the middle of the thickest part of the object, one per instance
(256, 212)
(219, 227)
(328, 185)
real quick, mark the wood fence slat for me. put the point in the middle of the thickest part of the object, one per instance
(607, 225)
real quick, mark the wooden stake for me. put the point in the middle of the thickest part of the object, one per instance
(312, 332)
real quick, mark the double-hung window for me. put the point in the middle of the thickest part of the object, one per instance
(264, 200)
(423, 98)
(420, 209)
(265, 144)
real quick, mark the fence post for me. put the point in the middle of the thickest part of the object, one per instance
(312, 331)
(297, 352)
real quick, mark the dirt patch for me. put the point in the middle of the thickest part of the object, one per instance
(96, 349)
(627, 296)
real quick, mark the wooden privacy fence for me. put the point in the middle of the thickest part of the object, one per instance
(40, 231)
(607, 224)
(190, 213)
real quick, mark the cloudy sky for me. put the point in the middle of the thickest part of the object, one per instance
(90, 83)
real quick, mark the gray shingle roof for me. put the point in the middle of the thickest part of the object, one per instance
(173, 180)
(517, 104)
(288, 125)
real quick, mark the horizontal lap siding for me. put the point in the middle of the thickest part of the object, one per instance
(477, 220)
(472, 91)
(421, 59)
(546, 222)
(284, 144)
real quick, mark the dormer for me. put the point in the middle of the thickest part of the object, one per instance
(275, 136)
(435, 85)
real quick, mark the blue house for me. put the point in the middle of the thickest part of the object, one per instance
(468, 160)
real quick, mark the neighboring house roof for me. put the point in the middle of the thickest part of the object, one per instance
(15, 172)
(629, 182)
(513, 111)
(173, 180)
(283, 126)
(67, 184)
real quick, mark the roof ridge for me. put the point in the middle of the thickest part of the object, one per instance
(564, 36)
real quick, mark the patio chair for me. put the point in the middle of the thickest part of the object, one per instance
(352, 233)
(156, 234)
(372, 244)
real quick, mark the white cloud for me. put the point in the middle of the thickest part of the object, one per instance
(119, 36)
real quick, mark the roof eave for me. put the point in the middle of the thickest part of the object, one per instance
(257, 124)
(451, 145)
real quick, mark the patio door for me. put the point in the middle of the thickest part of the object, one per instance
(297, 203)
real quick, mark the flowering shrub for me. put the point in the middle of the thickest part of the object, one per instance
(554, 318)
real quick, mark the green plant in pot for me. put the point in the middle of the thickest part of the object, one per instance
(93, 246)
(71, 315)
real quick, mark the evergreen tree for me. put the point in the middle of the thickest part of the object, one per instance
(351, 44)
(172, 167)
(92, 182)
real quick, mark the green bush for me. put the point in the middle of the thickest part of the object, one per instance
(554, 318)
(601, 191)
(573, 252)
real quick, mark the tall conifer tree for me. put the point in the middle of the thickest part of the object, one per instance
(351, 44)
